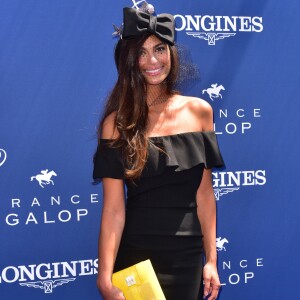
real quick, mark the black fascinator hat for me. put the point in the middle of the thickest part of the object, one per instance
(137, 22)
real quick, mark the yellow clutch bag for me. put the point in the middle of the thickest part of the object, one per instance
(139, 282)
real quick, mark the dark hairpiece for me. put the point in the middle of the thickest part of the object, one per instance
(140, 19)
(138, 22)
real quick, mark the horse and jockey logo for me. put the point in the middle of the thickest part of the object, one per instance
(214, 91)
(3, 157)
(220, 243)
(44, 178)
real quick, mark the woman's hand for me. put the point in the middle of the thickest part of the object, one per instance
(211, 281)
(111, 292)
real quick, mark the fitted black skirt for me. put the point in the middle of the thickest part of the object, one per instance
(177, 262)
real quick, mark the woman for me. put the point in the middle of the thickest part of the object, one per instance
(161, 144)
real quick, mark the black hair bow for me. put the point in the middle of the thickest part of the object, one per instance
(137, 22)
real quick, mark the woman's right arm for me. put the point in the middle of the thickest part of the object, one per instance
(112, 224)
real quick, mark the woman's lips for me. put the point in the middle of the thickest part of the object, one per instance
(153, 72)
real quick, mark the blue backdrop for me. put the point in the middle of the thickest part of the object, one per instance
(56, 66)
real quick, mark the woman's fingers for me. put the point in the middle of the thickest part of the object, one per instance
(214, 292)
(211, 281)
(207, 287)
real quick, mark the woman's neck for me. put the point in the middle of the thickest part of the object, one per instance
(156, 94)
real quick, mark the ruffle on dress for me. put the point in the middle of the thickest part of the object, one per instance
(181, 151)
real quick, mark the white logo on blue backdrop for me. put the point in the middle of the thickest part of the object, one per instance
(47, 285)
(220, 243)
(228, 182)
(214, 91)
(224, 191)
(44, 177)
(3, 157)
(210, 37)
(235, 271)
(214, 28)
(47, 276)
(231, 121)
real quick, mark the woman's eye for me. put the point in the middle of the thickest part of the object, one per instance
(142, 53)
(160, 49)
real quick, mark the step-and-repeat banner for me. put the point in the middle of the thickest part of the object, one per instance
(56, 66)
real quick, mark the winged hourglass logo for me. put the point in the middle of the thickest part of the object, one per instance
(223, 191)
(47, 285)
(210, 37)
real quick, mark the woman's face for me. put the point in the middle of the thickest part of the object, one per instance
(154, 60)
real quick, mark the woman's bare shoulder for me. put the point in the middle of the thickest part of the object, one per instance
(109, 130)
(198, 111)
(196, 105)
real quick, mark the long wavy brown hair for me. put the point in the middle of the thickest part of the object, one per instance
(128, 101)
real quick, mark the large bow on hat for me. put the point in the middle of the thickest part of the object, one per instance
(138, 22)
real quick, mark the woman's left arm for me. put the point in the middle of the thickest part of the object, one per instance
(206, 209)
(207, 216)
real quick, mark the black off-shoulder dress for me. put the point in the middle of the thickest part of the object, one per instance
(161, 211)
